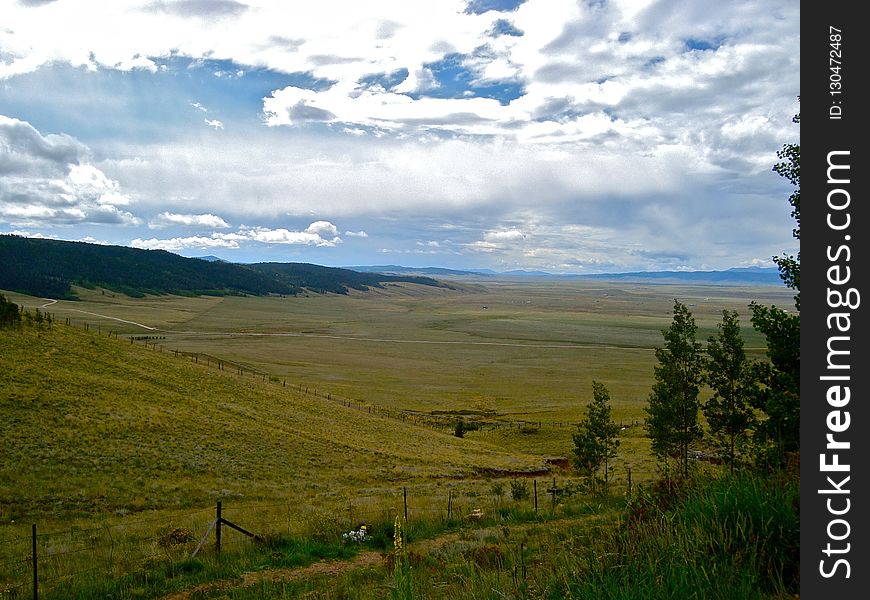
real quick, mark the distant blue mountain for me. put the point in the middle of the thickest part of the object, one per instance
(742, 275)
(738, 275)
(211, 258)
(399, 270)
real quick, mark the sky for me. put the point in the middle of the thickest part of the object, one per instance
(559, 135)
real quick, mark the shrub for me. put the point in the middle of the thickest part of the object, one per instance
(519, 489)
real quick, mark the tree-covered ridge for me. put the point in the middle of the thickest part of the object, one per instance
(48, 268)
(330, 279)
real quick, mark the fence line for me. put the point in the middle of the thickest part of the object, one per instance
(45, 564)
(434, 421)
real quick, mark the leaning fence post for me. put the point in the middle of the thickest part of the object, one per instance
(217, 530)
(35, 581)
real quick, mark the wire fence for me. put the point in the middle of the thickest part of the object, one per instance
(50, 561)
(43, 560)
(437, 421)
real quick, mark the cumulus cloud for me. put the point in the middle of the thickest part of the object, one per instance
(182, 243)
(510, 235)
(623, 115)
(168, 219)
(198, 8)
(361, 234)
(47, 179)
(319, 233)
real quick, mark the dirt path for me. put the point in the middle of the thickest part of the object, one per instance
(328, 567)
(363, 559)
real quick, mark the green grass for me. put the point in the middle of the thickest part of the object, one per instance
(97, 424)
(102, 435)
(531, 354)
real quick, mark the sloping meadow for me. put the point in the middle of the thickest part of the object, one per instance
(93, 424)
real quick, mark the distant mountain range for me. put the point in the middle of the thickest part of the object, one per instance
(48, 268)
(735, 276)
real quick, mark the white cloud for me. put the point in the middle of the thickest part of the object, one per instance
(30, 234)
(49, 180)
(322, 229)
(510, 235)
(181, 243)
(168, 219)
(319, 233)
(619, 124)
(361, 234)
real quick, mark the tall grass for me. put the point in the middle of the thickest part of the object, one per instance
(732, 538)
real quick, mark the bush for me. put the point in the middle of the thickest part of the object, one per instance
(519, 489)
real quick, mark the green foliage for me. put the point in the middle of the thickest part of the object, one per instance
(402, 588)
(779, 396)
(48, 268)
(519, 490)
(497, 490)
(9, 313)
(329, 279)
(731, 376)
(672, 413)
(595, 443)
(790, 168)
(734, 538)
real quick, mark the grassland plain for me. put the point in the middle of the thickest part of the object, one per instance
(94, 424)
(495, 350)
(99, 428)
(521, 350)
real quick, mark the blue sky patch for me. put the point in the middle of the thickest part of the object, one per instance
(693, 44)
(386, 80)
(456, 81)
(505, 27)
(478, 7)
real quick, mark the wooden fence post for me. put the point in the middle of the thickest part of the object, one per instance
(629, 480)
(535, 482)
(217, 530)
(405, 496)
(35, 579)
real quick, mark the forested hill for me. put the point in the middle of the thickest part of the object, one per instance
(48, 268)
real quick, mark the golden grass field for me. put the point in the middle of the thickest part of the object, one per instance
(133, 438)
(498, 351)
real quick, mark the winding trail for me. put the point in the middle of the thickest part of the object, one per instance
(368, 558)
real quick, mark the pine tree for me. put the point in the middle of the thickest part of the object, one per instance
(9, 313)
(729, 373)
(672, 414)
(779, 397)
(595, 442)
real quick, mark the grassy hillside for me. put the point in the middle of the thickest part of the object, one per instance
(48, 268)
(93, 424)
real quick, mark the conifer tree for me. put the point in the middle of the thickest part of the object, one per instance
(672, 413)
(779, 396)
(595, 442)
(729, 373)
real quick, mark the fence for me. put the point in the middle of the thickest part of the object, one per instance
(44, 563)
(440, 422)
(38, 561)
